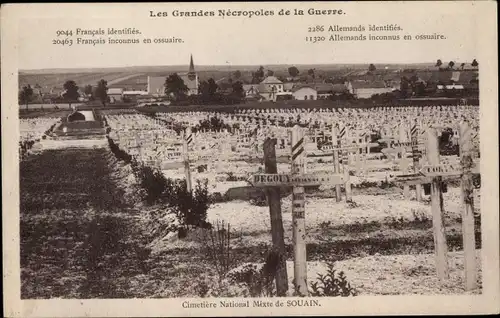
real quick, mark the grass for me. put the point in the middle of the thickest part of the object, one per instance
(76, 244)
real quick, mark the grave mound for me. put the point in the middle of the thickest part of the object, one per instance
(81, 124)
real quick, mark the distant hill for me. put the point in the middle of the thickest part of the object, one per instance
(135, 77)
(225, 68)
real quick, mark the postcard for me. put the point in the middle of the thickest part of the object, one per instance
(250, 159)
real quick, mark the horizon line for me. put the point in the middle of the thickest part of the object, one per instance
(216, 65)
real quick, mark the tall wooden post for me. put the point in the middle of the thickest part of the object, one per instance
(344, 135)
(277, 232)
(348, 191)
(404, 164)
(469, 240)
(187, 138)
(358, 160)
(298, 212)
(336, 162)
(415, 153)
(440, 245)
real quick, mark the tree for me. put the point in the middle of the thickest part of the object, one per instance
(238, 90)
(310, 72)
(474, 63)
(419, 89)
(208, 90)
(293, 71)
(462, 66)
(237, 74)
(372, 68)
(88, 90)
(260, 73)
(212, 87)
(451, 64)
(404, 86)
(439, 63)
(26, 95)
(203, 89)
(101, 91)
(270, 73)
(175, 87)
(71, 93)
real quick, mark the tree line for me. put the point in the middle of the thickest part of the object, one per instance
(209, 92)
(71, 93)
(451, 65)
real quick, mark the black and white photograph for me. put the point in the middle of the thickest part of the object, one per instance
(250, 158)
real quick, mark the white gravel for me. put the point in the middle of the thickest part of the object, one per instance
(397, 274)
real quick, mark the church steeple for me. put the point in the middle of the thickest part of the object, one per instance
(191, 73)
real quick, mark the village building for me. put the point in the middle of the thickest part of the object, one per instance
(366, 89)
(115, 95)
(324, 90)
(191, 79)
(269, 87)
(287, 87)
(252, 92)
(251, 89)
(156, 84)
(133, 95)
(304, 92)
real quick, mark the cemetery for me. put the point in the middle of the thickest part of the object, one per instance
(388, 197)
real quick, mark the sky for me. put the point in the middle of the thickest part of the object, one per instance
(246, 41)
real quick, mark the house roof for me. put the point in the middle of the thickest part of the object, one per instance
(301, 86)
(367, 84)
(467, 76)
(115, 91)
(271, 80)
(134, 93)
(288, 86)
(249, 86)
(339, 88)
(323, 87)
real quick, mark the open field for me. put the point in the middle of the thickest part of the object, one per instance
(58, 79)
(135, 78)
(226, 68)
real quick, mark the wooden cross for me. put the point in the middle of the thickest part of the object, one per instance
(433, 173)
(296, 179)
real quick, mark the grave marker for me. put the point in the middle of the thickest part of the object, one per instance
(468, 231)
(187, 139)
(297, 179)
(298, 211)
(441, 247)
(277, 231)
